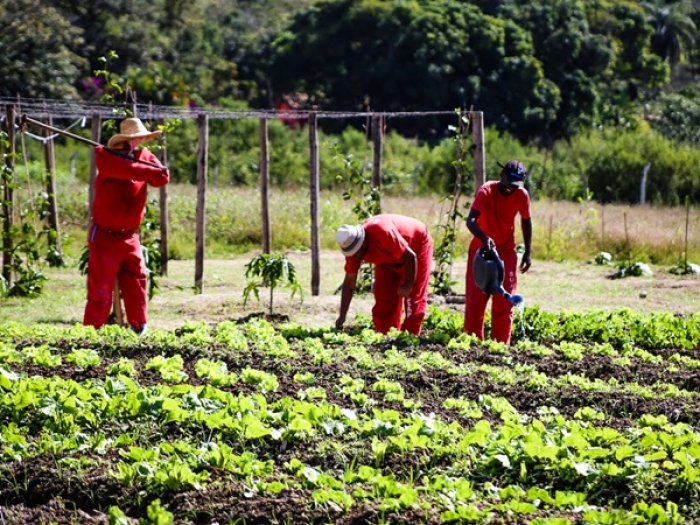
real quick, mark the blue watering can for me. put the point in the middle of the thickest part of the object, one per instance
(488, 274)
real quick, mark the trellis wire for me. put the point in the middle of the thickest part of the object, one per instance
(43, 108)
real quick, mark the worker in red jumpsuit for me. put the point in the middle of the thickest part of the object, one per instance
(491, 220)
(402, 251)
(121, 190)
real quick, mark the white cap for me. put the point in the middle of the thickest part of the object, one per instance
(350, 238)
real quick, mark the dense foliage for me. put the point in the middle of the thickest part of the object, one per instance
(553, 75)
(538, 69)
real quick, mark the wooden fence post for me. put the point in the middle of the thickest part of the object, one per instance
(50, 157)
(8, 198)
(643, 183)
(265, 185)
(95, 132)
(314, 194)
(164, 224)
(378, 142)
(202, 159)
(479, 153)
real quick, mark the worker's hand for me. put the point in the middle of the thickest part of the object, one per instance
(405, 290)
(487, 244)
(339, 323)
(525, 262)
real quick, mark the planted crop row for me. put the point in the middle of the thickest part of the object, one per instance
(254, 423)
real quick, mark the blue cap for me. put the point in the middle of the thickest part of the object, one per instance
(514, 173)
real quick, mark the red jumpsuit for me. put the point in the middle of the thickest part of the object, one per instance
(121, 190)
(496, 220)
(388, 237)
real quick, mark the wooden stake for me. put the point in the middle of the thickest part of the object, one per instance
(202, 162)
(95, 132)
(8, 199)
(117, 304)
(51, 192)
(314, 195)
(479, 153)
(687, 221)
(164, 224)
(265, 185)
(378, 150)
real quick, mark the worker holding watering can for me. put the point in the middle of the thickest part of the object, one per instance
(491, 220)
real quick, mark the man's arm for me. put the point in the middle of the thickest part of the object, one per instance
(348, 290)
(526, 225)
(473, 226)
(117, 167)
(409, 262)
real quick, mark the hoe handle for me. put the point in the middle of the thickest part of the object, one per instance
(26, 120)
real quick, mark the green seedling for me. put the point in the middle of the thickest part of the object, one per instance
(270, 271)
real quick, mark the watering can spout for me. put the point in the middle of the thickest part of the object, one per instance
(488, 274)
(515, 299)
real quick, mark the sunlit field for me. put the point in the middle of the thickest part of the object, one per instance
(562, 230)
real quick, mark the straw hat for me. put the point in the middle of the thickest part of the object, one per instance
(350, 238)
(131, 128)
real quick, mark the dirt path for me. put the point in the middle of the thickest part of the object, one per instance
(551, 285)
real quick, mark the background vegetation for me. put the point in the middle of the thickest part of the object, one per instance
(589, 94)
(585, 92)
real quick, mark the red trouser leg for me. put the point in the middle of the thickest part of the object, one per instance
(502, 309)
(475, 303)
(417, 303)
(386, 312)
(103, 265)
(132, 281)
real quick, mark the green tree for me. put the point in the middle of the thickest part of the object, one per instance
(414, 55)
(674, 29)
(128, 29)
(573, 58)
(635, 73)
(38, 58)
(680, 116)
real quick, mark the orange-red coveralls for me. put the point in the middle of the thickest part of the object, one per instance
(496, 220)
(388, 237)
(121, 190)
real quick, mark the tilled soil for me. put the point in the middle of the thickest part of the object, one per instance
(36, 490)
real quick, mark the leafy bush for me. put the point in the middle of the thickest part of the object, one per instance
(603, 258)
(615, 172)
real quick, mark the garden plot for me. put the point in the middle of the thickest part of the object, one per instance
(586, 418)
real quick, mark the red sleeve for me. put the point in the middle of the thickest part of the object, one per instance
(115, 166)
(480, 199)
(352, 265)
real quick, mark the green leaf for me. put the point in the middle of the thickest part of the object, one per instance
(7, 378)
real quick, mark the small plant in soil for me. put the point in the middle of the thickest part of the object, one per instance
(270, 271)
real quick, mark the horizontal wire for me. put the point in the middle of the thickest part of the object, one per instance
(44, 108)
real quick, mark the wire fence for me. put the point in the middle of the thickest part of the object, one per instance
(45, 108)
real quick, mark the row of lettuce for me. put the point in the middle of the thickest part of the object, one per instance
(344, 419)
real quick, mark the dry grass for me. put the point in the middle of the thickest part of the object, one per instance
(566, 236)
(654, 234)
(562, 230)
